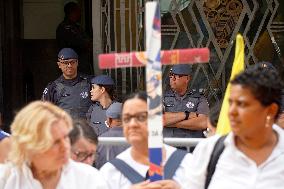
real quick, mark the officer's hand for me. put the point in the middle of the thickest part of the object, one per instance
(192, 115)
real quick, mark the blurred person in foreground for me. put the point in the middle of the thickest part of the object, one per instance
(84, 142)
(134, 122)
(253, 152)
(40, 153)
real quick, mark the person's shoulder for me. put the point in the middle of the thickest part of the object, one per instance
(65, 24)
(169, 93)
(54, 83)
(86, 77)
(89, 176)
(193, 93)
(81, 168)
(60, 79)
(205, 147)
(170, 149)
(109, 167)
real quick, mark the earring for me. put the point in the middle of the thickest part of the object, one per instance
(268, 120)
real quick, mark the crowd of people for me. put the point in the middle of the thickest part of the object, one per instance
(54, 142)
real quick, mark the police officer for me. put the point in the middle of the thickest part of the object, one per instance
(70, 34)
(102, 95)
(71, 90)
(186, 111)
(104, 153)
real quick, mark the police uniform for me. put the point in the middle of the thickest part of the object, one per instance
(113, 112)
(72, 95)
(191, 102)
(97, 114)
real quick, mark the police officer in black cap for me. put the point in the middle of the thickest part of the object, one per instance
(71, 90)
(185, 111)
(102, 95)
(69, 34)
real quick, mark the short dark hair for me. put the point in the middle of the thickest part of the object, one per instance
(214, 114)
(264, 83)
(81, 128)
(142, 95)
(70, 7)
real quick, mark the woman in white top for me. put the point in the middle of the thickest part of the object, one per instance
(40, 153)
(134, 121)
(253, 156)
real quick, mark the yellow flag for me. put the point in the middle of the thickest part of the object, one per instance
(223, 126)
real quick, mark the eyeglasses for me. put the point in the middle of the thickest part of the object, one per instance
(174, 76)
(140, 117)
(82, 156)
(70, 62)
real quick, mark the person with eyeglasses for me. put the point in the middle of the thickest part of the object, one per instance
(40, 152)
(185, 110)
(5, 145)
(71, 90)
(135, 129)
(84, 142)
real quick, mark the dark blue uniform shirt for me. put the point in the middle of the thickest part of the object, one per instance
(71, 95)
(191, 102)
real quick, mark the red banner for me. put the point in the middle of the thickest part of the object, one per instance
(138, 59)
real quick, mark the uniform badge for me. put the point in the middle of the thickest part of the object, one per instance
(84, 94)
(189, 105)
(45, 91)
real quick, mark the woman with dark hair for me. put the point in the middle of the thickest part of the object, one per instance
(253, 152)
(102, 95)
(134, 122)
(83, 142)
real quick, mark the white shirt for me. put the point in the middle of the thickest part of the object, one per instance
(74, 176)
(115, 179)
(234, 169)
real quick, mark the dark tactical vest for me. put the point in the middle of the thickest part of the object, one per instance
(74, 99)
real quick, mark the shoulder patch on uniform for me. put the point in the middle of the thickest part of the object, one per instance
(190, 104)
(169, 94)
(45, 91)
(84, 94)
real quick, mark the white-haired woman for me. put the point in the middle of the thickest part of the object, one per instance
(40, 154)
